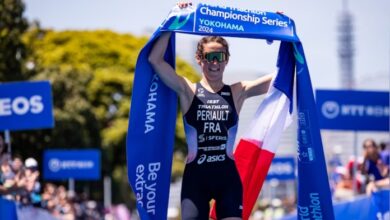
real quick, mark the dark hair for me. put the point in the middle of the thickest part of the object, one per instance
(372, 142)
(208, 39)
(383, 145)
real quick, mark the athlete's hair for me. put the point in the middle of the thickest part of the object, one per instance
(208, 39)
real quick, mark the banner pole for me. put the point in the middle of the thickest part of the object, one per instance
(7, 140)
(107, 192)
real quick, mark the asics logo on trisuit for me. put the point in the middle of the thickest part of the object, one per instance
(210, 159)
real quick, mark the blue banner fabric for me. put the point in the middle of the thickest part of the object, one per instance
(26, 105)
(150, 137)
(152, 120)
(314, 197)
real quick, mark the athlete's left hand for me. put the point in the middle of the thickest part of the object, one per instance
(184, 4)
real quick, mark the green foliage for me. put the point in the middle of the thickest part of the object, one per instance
(91, 73)
(178, 165)
(12, 50)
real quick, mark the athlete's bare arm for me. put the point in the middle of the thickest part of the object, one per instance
(182, 86)
(246, 89)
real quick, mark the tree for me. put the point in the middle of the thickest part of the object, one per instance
(91, 73)
(12, 50)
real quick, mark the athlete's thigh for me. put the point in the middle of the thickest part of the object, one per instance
(195, 209)
(229, 199)
(229, 207)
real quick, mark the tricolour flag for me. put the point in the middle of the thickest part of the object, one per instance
(257, 147)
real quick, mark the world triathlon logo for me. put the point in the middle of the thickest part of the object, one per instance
(298, 55)
(330, 109)
(177, 24)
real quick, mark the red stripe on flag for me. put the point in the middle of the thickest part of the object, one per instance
(245, 156)
(250, 159)
(254, 180)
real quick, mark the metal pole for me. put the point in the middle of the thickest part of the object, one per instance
(7, 139)
(354, 169)
(107, 192)
(71, 185)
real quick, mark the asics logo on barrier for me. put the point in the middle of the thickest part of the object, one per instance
(330, 109)
(211, 159)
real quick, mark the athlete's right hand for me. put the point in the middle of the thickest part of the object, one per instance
(184, 4)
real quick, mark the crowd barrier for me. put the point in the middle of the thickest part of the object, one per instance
(374, 207)
(9, 210)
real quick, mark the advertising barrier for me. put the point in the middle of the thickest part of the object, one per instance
(353, 110)
(282, 168)
(71, 164)
(26, 105)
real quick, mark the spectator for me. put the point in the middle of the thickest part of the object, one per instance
(20, 182)
(373, 166)
(32, 185)
(17, 165)
(7, 175)
(385, 152)
(335, 162)
(374, 186)
(11, 184)
(344, 188)
(48, 197)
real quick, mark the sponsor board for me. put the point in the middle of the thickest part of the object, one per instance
(75, 164)
(353, 110)
(282, 168)
(26, 105)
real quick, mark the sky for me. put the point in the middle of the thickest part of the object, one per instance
(316, 22)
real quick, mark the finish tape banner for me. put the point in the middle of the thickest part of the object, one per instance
(152, 120)
(226, 21)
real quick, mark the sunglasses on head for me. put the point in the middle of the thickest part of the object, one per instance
(218, 56)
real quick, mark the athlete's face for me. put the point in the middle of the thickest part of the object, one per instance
(212, 70)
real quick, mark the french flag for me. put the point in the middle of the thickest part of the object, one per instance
(257, 147)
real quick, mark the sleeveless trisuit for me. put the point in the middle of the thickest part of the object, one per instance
(210, 173)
